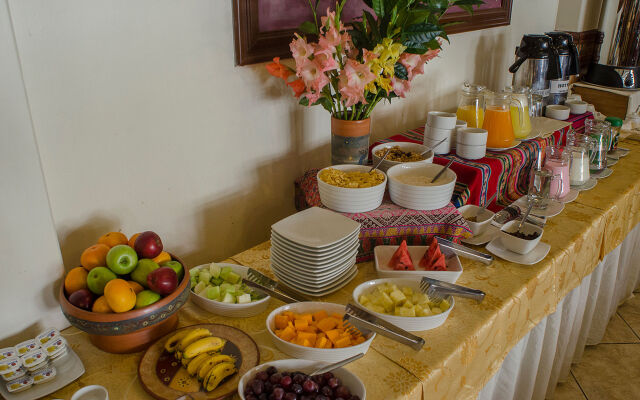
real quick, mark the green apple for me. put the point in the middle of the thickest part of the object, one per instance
(122, 259)
(177, 267)
(144, 268)
(146, 298)
(98, 278)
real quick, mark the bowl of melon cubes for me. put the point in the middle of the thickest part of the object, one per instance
(315, 331)
(218, 288)
(401, 302)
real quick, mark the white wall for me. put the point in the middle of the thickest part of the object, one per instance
(143, 121)
(579, 15)
(30, 262)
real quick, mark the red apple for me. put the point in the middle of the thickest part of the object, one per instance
(163, 280)
(82, 298)
(148, 245)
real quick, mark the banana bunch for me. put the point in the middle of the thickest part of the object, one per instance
(199, 353)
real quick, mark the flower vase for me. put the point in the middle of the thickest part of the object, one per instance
(350, 141)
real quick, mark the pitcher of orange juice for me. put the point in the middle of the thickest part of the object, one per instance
(520, 121)
(497, 118)
(471, 105)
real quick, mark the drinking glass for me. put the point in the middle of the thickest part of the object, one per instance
(543, 187)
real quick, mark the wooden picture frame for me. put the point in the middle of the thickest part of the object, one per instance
(253, 46)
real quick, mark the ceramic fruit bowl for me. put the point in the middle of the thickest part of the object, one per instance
(134, 330)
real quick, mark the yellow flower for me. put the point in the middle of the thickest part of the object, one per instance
(388, 54)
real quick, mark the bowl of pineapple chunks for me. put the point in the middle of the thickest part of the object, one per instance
(401, 302)
(218, 288)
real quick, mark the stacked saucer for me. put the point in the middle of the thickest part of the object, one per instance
(314, 251)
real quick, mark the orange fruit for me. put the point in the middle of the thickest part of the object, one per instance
(76, 279)
(113, 239)
(162, 257)
(120, 295)
(135, 286)
(94, 256)
(101, 306)
(132, 240)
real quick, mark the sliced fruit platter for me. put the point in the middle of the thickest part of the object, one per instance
(205, 361)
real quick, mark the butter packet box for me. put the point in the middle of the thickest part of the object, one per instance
(19, 373)
(44, 375)
(46, 336)
(18, 385)
(34, 358)
(8, 352)
(55, 347)
(27, 346)
(10, 364)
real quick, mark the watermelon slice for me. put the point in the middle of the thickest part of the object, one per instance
(433, 259)
(401, 260)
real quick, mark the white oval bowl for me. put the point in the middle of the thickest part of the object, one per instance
(557, 111)
(421, 197)
(470, 152)
(442, 148)
(228, 309)
(311, 353)
(472, 136)
(351, 199)
(476, 227)
(518, 245)
(404, 146)
(410, 324)
(437, 133)
(441, 120)
(348, 379)
(577, 106)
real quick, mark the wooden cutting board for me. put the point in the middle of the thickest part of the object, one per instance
(164, 377)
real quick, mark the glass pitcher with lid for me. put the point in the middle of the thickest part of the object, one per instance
(600, 133)
(557, 161)
(521, 125)
(497, 119)
(471, 104)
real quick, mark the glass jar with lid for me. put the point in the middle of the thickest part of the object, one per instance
(599, 132)
(616, 125)
(471, 104)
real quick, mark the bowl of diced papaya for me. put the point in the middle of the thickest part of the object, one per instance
(315, 331)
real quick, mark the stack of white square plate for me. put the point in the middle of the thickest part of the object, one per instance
(314, 251)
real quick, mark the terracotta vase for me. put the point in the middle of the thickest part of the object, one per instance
(350, 141)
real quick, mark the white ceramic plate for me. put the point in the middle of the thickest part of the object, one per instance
(611, 161)
(590, 184)
(383, 254)
(552, 209)
(311, 353)
(535, 133)
(603, 174)
(488, 235)
(346, 242)
(320, 291)
(619, 152)
(571, 196)
(533, 257)
(410, 324)
(348, 379)
(325, 263)
(515, 143)
(68, 369)
(228, 309)
(311, 275)
(329, 227)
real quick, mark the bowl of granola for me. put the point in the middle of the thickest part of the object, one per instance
(351, 188)
(401, 152)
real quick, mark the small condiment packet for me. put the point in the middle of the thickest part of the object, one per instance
(10, 364)
(18, 385)
(61, 353)
(8, 352)
(33, 358)
(44, 375)
(55, 345)
(47, 335)
(36, 367)
(19, 373)
(27, 346)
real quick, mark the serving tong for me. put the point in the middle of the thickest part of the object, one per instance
(438, 290)
(466, 252)
(273, 288)
(357, 319)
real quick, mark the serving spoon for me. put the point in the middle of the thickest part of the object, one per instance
(386, 153)
(446, 167)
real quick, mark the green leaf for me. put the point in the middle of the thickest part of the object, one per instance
(324, 102)
(400, 71)
(373, 25)
(304, 101)
(417, 16)
(308, 27)
(416, 35)
(378, 7)
(369, 3)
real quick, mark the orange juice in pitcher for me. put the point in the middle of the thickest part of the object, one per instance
(497, 120)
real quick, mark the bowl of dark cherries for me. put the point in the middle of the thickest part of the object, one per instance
(289, 380)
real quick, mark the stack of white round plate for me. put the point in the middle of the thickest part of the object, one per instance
(314, 251)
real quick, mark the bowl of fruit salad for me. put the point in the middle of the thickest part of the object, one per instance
(218, 288)
(400, 301)
(315, 331)
(288, 379)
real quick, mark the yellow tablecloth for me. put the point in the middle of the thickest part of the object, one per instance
(463, 354)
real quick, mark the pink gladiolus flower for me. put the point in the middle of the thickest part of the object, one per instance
(400, 86)
(328, 42)
(300, 49)
(326, 62)
(312, 75)
(353, 79)
(413, 63)
(430, 55)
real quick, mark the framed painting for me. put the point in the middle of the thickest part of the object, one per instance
(263, 29)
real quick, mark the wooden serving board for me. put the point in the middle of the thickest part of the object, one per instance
(164, 378)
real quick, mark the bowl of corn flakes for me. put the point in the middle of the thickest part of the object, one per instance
(401, 152)
(351, 188)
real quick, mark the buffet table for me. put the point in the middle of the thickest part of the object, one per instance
(524, 306)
